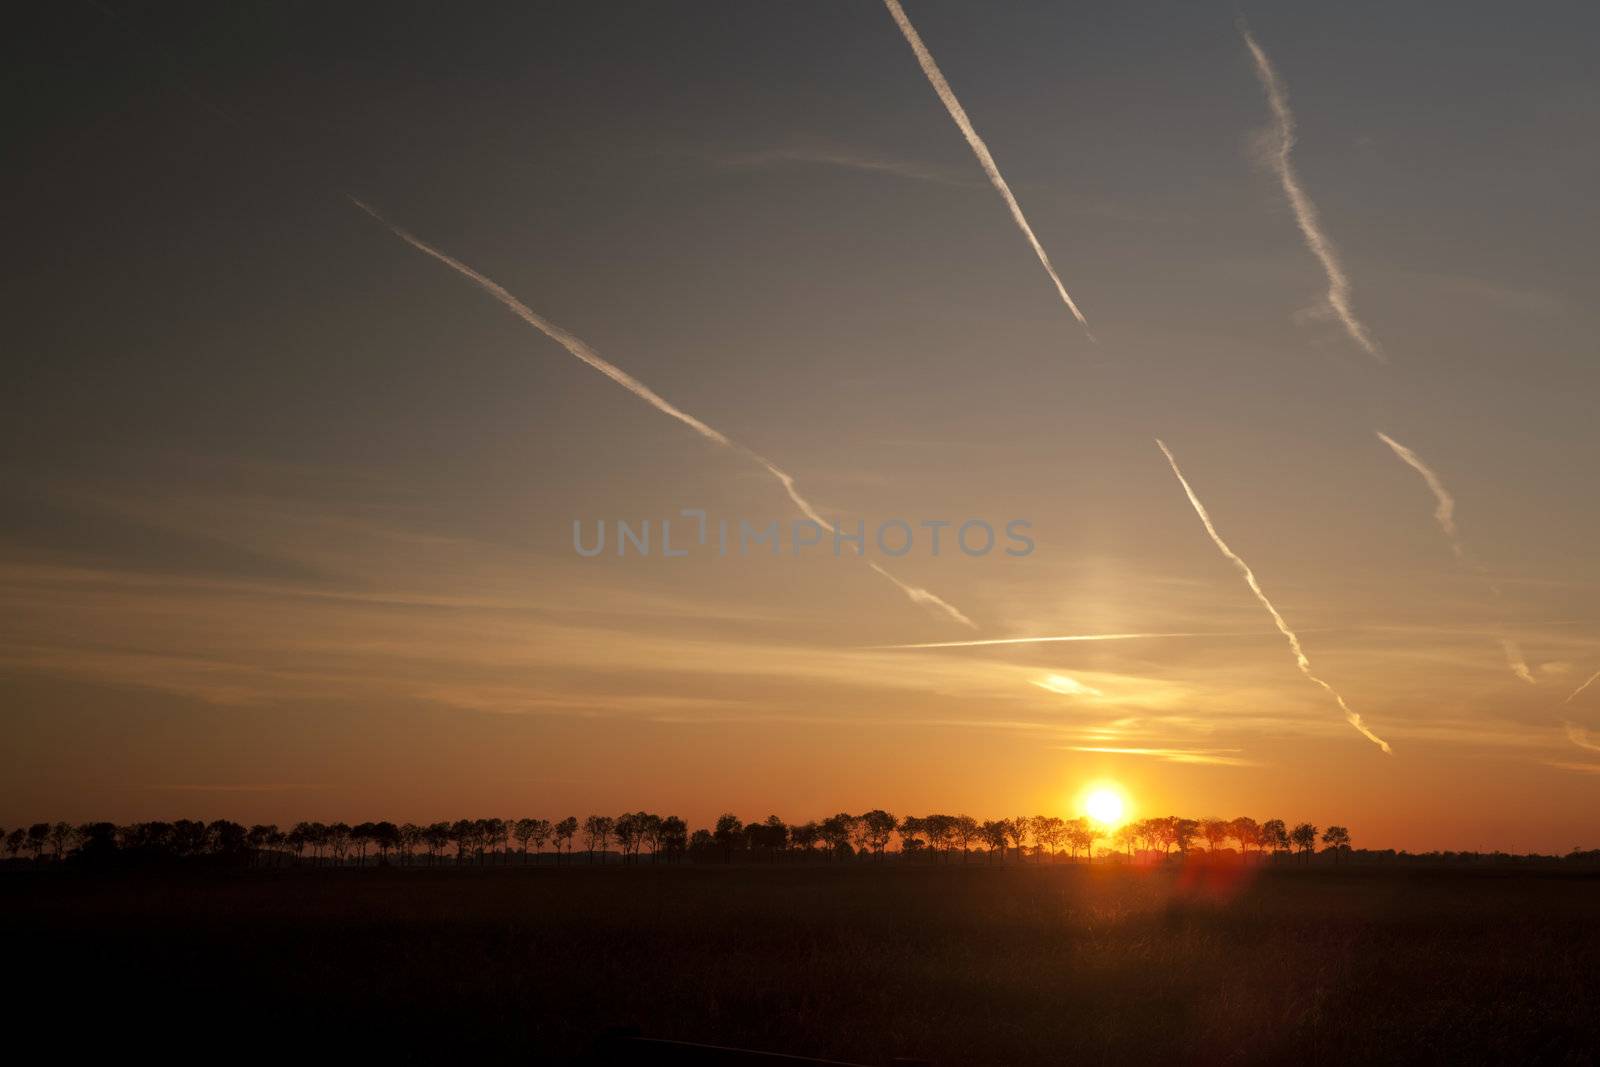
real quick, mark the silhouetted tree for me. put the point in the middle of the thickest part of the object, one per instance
(226, 838)
(523, 831)
(496, 834)
(189, 838)
(339, 841)
(674, 837)
(877, 826)
(1216, 833)
(565, 831)
(994, 833)
(1017, 830)
(836, 831)
(1247, 832)
(542, 829)
(61, 836)
(729, 835)
(1304, 838)
(362, 834)
(437, 837)
(259, 839)
(1049, 831)
(1337, 839)
(627, 829)
(938, 828)
(462, 834)
(15, 841)
(596, 832)
(38, 837)
(97, 842)
(1081, 834)
(964, 831)
(411, 835)
(1275, 835)
(805, 836)
(386, 835)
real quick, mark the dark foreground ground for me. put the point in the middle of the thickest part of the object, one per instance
(961, 964)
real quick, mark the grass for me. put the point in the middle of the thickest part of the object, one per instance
(955, 964)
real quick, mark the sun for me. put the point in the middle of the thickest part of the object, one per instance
(1105, 804)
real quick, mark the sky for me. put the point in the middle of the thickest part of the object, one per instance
(288, 504)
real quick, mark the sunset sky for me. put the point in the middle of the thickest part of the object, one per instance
(289, 505)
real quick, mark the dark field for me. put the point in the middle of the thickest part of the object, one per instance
(954, 964)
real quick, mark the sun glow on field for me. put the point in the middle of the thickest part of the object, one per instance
(1105, 804)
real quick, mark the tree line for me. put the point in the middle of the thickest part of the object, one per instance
(635, 836)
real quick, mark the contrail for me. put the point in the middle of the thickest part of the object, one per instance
(1063, 637)
(1444, 513)
(1305, 212)
(579, 348)
(1255, 587)
(979, 149)
(1576, 693)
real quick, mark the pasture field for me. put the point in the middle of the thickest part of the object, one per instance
(949, 963)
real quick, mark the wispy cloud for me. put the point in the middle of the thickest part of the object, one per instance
(579, 348)
(1171, 755)
(267, 787)
(826, 155)
(1580, 737)
(1255, 587)
(948, 97)
(1051, 639)
(1066, 686)
(1576, 768)
(1278, 150)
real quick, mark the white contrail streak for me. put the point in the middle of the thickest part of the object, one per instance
(1063, 637)
(580, 349)
(948, 97)
(1576, 693)
(1255, 587)
(1444, 513)
(1305, 212)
